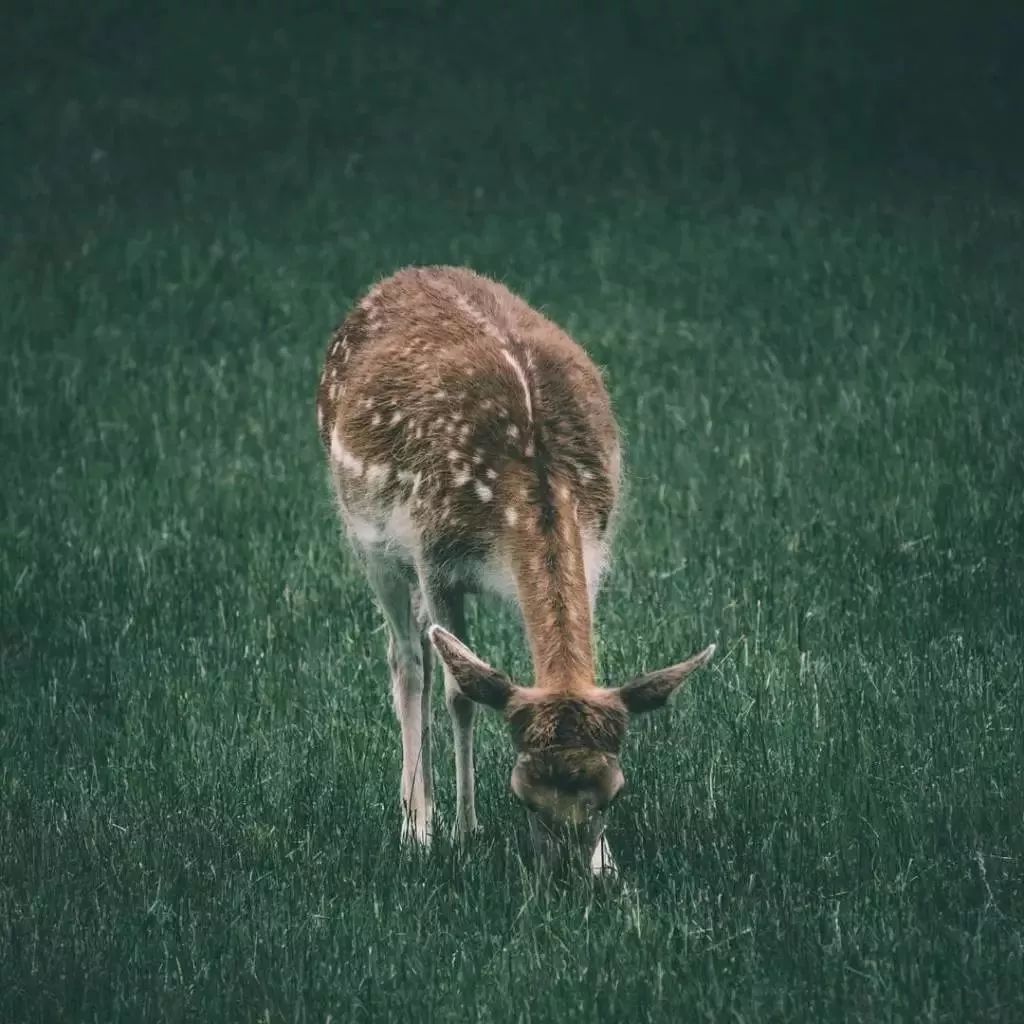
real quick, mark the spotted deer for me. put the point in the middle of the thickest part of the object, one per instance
(472, 448)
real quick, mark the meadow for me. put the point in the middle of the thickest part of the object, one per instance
(816, 352)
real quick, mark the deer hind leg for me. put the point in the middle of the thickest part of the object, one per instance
(410, 689)
(446, 606)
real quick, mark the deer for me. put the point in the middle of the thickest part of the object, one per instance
(472, 449)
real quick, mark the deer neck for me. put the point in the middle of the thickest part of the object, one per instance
(546, 554)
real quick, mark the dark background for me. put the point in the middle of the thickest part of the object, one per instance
(120, 99)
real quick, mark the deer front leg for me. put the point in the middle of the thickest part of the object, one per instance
(446, 607)
(462, 713)
(410, 692)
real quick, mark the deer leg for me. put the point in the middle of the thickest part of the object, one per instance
(446, 606)
(394, 590)
(422, 620)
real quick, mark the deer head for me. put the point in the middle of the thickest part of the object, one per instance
(567, 772)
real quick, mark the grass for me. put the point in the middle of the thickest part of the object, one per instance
(817, 362)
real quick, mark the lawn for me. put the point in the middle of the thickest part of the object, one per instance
(816, 352)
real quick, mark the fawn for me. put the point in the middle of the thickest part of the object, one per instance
(472, 447)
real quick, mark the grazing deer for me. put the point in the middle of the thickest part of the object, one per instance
(472, 446)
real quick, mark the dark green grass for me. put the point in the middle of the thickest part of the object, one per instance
(819, 374)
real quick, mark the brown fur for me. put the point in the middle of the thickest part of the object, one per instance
(472, 439)
(539, 720)
(451, 408)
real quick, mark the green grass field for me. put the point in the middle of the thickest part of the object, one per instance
(818, 362)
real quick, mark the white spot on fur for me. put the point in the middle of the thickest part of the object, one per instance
(419, 431)
(375, 419)
(513, 432)
(367, 403)
(377, 472)
(528, 450)
(319, 416)
(477, 316)
(453, 455)
(514, 363)
(483, 492)
(491, 474)
(344, 458)
(511, 516)
(461, 477)
(396, 417)
(595, 560)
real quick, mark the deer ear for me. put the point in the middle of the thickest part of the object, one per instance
(652, 690)
(476, 679)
